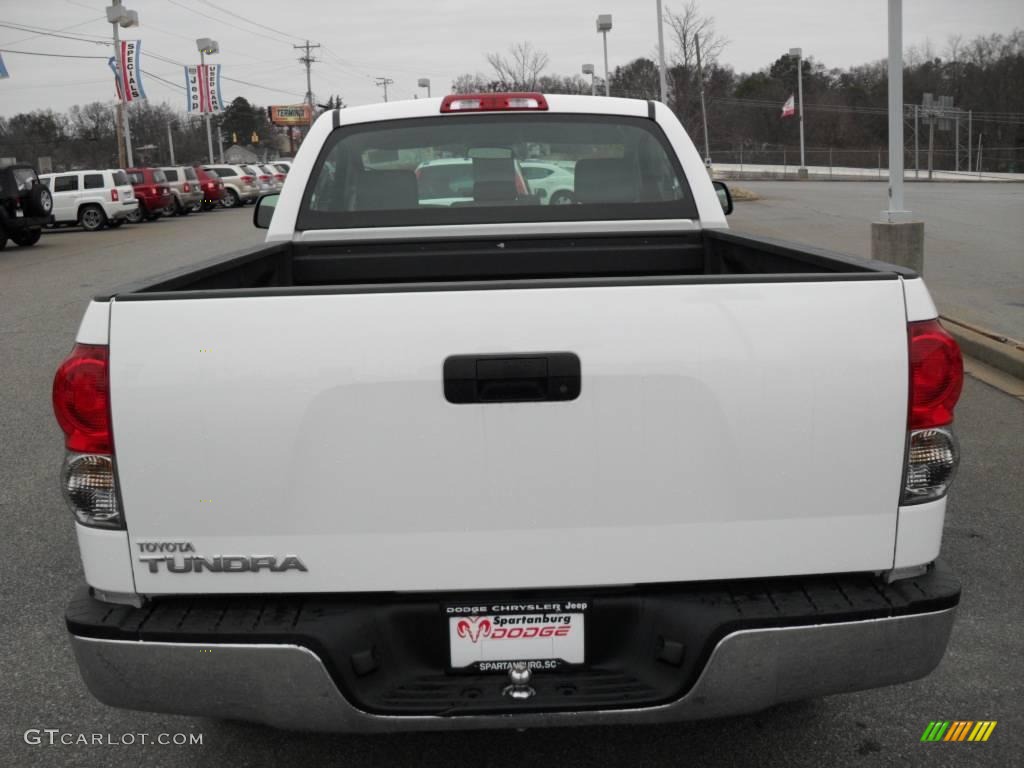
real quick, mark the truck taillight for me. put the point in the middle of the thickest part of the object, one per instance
(936, 380)
(81, 403)
(114, 197)
(936, 375)
(187, 187)
(247, 179)
(265, 178)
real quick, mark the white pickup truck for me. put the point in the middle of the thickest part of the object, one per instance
(465, 459)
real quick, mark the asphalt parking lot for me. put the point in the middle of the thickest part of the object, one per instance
(974, 260)
(43, 291)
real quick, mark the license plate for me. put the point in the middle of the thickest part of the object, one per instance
(18, 213)
(490, 638)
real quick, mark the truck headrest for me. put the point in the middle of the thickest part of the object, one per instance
(386, 190)
(606, 181)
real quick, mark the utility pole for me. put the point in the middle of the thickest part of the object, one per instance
(384, 82)
(703, 111)
(308, 61)
(220, 144)
(662, 84)
(170, 143)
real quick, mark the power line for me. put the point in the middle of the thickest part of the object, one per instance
(250, 21)
(222, 21)
(42, 32)
(62, 29)
(53, 55)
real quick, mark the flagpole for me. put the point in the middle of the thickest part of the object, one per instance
(799, 53)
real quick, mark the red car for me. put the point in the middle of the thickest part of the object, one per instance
(213, 188)
(153, 194)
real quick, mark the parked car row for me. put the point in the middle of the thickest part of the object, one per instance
(94, 199)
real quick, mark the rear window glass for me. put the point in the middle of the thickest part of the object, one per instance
(468, 169)
(120, 179)
(137, 177)
(158, 177)
(222, 172)
(93, 180)
(171, 175)
(65, 183)
(282, 168)
(190, 174)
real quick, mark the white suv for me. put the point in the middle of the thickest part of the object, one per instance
(91, 198)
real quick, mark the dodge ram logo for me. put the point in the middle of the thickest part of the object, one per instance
(473, 628)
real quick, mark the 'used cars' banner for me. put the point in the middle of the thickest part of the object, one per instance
(131, 74)
(202, 88)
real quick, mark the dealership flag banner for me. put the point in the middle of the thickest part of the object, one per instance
(131, 73)
(202, 88)
(3, 69)
(117, 78)
(789, 108)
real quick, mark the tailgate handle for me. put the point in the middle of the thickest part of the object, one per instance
(512, 378)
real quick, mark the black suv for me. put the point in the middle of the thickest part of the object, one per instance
(26, 206)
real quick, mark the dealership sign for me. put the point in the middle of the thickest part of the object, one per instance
(294, 114)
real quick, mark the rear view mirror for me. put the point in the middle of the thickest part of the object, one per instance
(724, 196)
(264, 211)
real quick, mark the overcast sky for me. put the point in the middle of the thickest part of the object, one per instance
(439, 39)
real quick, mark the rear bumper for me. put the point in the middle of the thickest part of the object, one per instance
(262, 659)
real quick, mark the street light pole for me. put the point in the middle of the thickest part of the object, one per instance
(604, 25)
(118, 15)
(799, 53)
(205, 46)
(170, 143)
(588, 69)
(663, 86)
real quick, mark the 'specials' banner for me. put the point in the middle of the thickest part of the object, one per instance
(131, 73)
(202, 88)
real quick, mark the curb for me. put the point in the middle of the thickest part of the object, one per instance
(989, 347)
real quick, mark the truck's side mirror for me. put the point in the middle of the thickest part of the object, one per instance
(724, 196)
(265, 210)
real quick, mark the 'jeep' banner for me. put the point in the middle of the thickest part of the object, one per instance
(202, 88)
(131, 73)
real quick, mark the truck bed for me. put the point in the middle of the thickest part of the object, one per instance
(708, 256)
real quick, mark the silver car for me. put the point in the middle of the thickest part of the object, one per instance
(185, 189)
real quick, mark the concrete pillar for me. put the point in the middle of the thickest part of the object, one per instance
(900, 243)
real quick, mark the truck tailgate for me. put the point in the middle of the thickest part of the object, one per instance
(721, 431)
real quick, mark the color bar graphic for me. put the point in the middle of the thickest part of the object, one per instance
(958, 730)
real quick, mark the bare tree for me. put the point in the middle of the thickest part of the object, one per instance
(687, 25)
(521, 69)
